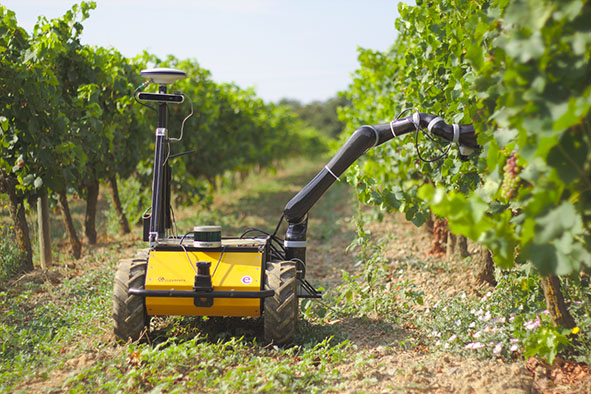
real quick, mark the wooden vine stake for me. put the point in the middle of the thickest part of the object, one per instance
(44, 231)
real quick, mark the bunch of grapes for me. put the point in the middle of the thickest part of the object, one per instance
(510, 180)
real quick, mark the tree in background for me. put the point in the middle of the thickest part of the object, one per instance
(322, 115)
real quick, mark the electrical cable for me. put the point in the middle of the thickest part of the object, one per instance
(443, 153)
(185, 250)
(184, 120)
(167, 152)
(296, 260)
(278, 225)
(175, 232)
(280, 253)
(184, 236)
(418, 128)
(189, 259)
(218, 263)
(251, 229)
(169, 140)
(271, 236)
(275, 243)
(143, 85)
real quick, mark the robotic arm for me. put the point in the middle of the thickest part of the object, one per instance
(364, 138)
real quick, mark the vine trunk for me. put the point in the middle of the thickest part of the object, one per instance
(123, 223)
(92, 191)
(555, 302)
(17, 213)
(76, 246)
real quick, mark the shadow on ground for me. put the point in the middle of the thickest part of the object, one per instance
(364, 333)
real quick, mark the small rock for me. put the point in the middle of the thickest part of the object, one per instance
(82, 361)
(540, 372)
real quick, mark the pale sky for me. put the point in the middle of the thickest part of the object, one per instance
(302, 49)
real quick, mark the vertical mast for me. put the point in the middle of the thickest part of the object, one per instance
(159, 183)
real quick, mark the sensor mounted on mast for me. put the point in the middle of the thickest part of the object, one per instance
(163, 75)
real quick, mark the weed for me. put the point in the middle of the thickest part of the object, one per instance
(233, 365)
(368, 291)
(508, 322)
(39, 324)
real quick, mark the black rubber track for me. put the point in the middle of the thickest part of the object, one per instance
(129, 312)
(281, 311)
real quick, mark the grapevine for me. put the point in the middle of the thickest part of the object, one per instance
(506, 68)
(513, 80)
